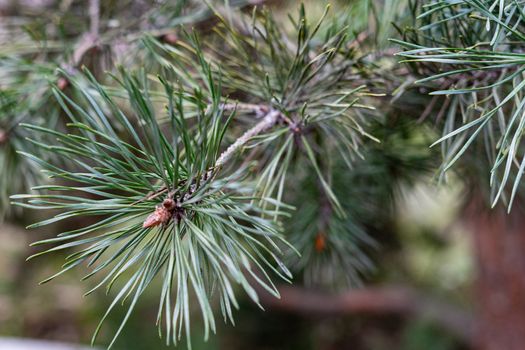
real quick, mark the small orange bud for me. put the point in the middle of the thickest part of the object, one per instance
(320, 242)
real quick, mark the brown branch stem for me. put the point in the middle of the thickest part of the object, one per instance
(374, 301)
(268, 121)
(94, 17)
(258, 109)
(87, 42)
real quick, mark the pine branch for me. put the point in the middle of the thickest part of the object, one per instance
(171, 208)
(268, 121)
(147, 160)
(29, 66)
(94, 16)
(203, 217)
(89, 40)
(470, 56)
(376, 301)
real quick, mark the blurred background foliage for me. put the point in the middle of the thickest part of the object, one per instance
(417, 241)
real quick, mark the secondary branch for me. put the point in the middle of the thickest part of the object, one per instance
(374, 301)
(172, 204)
(94, 17)
(266, 123)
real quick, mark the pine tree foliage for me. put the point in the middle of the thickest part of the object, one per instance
(206, 148)
(468, 53)
(182, 166)
(345, 248)
(210, 150)
(204, 234)
(20, 100)
(320, 90)
(314, 78)
(36, 47)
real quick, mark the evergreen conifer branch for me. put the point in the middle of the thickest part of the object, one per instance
(149, 161)
(171, 208)
(469, 53)
(200, 226)
(33, 54)
(319, 88)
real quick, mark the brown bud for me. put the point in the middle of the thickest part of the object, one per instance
(320, 242)
(161, 215)
(168, 203)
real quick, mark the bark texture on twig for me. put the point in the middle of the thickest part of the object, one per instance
(94, 17)
(266, 123)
